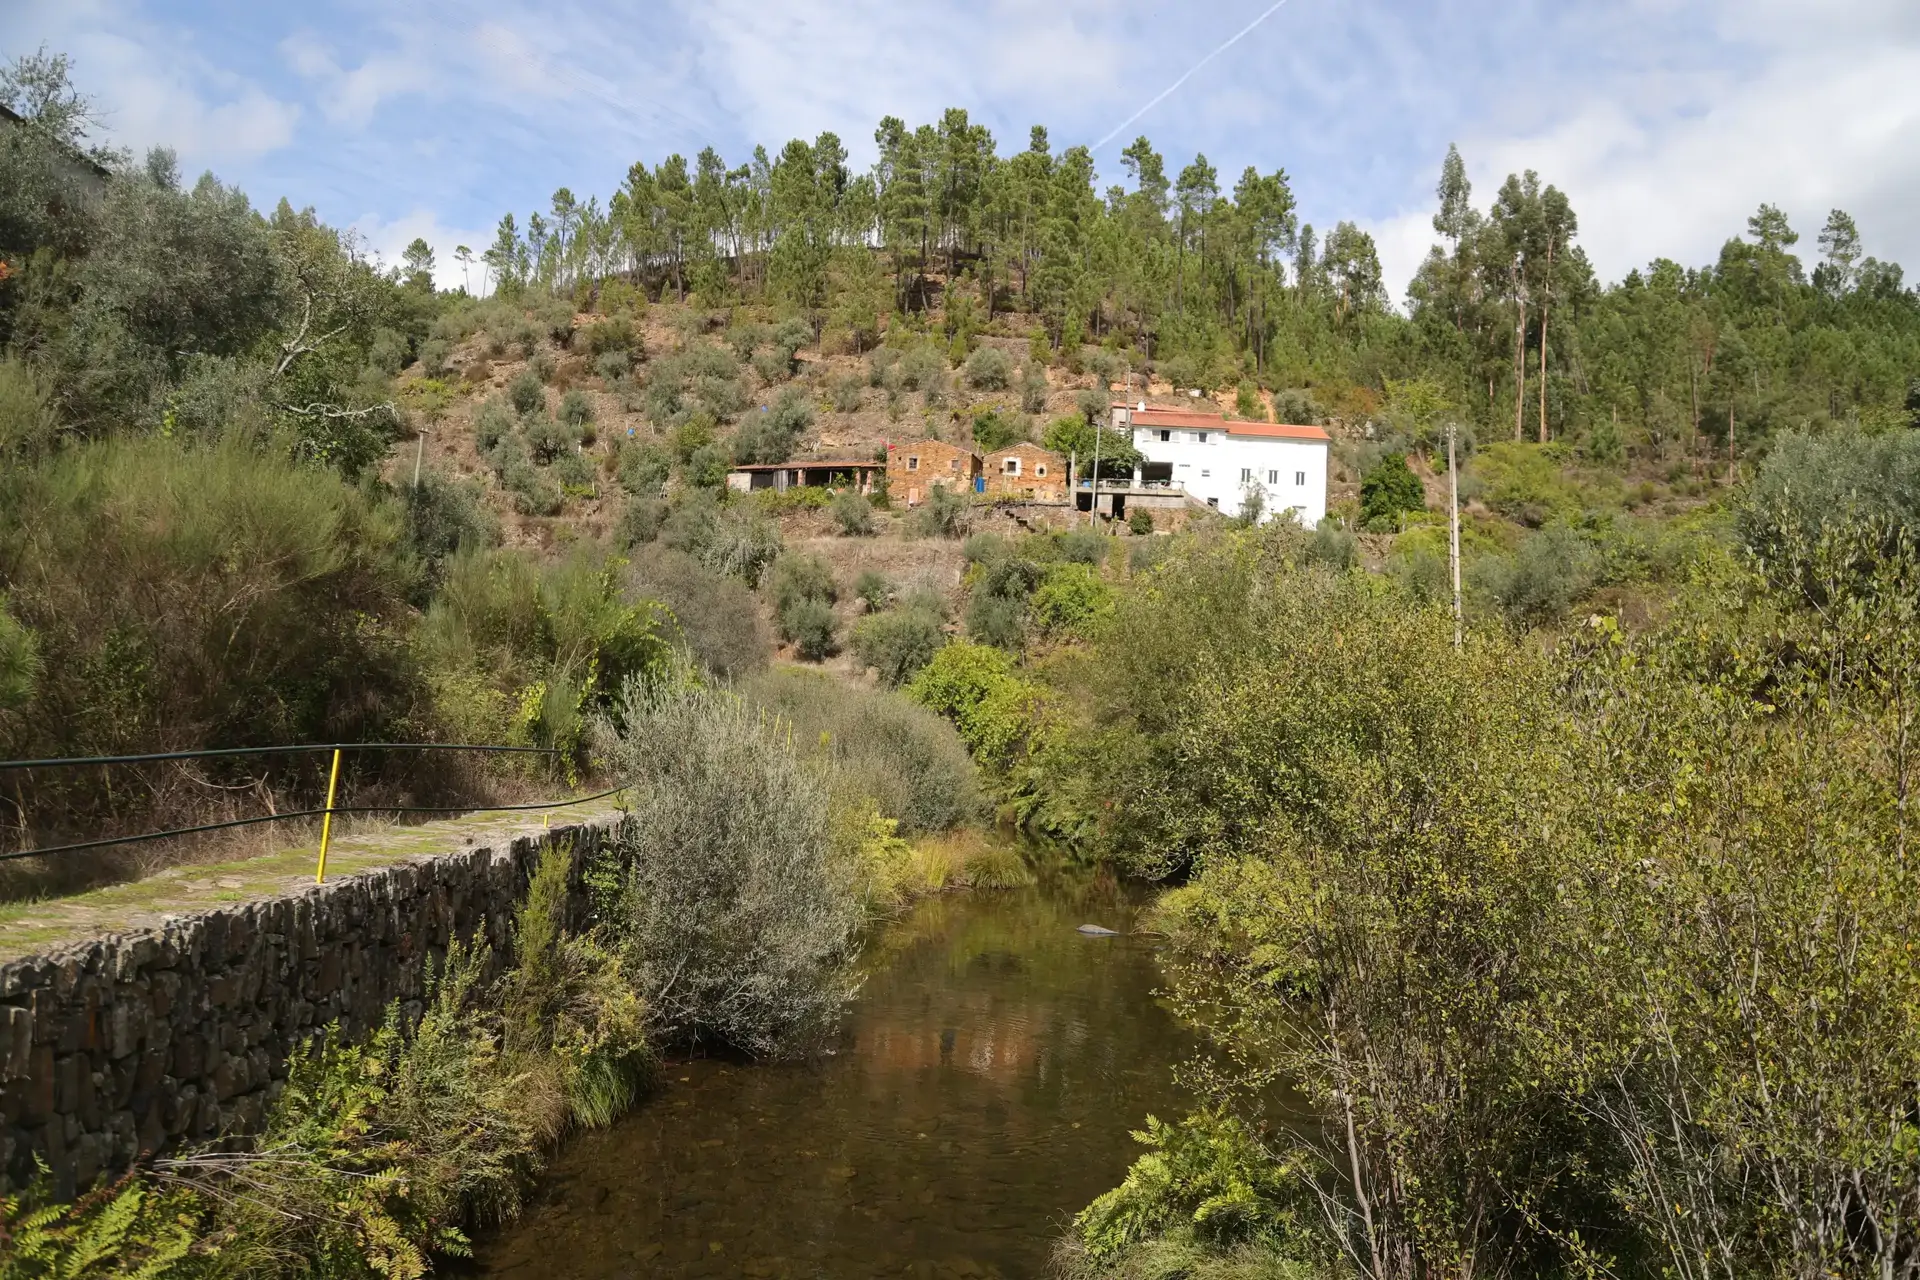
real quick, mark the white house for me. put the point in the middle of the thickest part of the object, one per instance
(1220, 461)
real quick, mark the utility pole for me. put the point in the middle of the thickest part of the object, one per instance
(1093, 513)
(1453, 530)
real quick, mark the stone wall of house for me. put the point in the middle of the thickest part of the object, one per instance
(136, 1042)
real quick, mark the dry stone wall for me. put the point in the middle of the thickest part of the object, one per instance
(134, 1043)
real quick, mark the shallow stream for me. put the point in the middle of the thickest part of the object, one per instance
(981, 1093)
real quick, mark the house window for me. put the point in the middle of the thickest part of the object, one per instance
(1010, 466)
(1040, 470)
(1213, 502)
(1273, 477)
(953, 464)
(913, 464)
(1246, 475)
(1300, 478)
(1166, 435)
(1203, 437)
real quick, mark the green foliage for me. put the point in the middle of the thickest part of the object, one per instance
(19, 661)
(644, 467)
(873, 588)
(1033, 389)
(997, 620)
(1807, 482)
(723, 895)
(526, 393)
(892, 752)
(896, 643)
(715, 616)
(849, 393)
(1140, 521)
(993, 430)
(772, 434)
(1333, 545)
(443, 518)
(853, 514)
(976, 687)
(27, 420)
(1524, 483)
(945, 514)
(1208, 1175)
(1076, 437)
(988, 369)
(554, 645)
(576, 410)
(1541, 580)
(812, 628)
(1247, 403)
(1070, 601)
(1387, 491)
(127, 1230)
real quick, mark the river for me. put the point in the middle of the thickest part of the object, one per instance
(981, 1092)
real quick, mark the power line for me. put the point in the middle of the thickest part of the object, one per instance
(1190, 72)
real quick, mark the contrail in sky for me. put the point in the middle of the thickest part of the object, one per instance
(1162, 95)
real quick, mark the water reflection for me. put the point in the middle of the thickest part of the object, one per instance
(981, 1093)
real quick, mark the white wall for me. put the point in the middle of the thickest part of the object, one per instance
(1210, 464)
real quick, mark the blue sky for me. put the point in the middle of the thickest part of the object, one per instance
(1666, 122)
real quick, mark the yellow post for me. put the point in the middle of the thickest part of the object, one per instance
(326, 823)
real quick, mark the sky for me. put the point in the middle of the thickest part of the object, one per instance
(1666, 123)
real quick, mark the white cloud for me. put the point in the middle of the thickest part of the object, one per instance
(388, 240)
(1823, 117)
(351, 97)
(155, 90)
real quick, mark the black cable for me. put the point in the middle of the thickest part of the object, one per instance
(308, 813)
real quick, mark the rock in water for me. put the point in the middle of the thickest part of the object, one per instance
(1095, 931)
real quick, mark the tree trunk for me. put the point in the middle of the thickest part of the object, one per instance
(1519, 356)
(1546, 309)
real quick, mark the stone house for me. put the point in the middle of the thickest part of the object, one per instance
(1025, 470)
(914, 467)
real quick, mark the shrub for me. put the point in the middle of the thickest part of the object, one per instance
(1297, 407)
(1140, 521)
(740, 543)
(1524, 483)
(535, 493)
(811, 627)
(722, 894)
(993, 430)
(616, 336)
(789, 336)
(1539, 581)
(492, 424)
(714, 616)
(526, 393)
(1083, 546)
(853, 513)
(641, 521)
(707, 468)
(644, 468)
(882, 368)
(989, 369)
(1247, 403)
(1033, 389)
(922, 369)
(1333, 545)
(873, 588)
(576, 410)
(1070, 601)
(771, 435)
(902, 756)
(849, 393)
(576, 474)
(997, 620)
(443, 518)
(945, 514)
(543, 366)
(547, 438)
(436, 354)
(1810, 482)
(898, 642)
(985, 548)
(613, 366)
(801, 577)
(1387, 490)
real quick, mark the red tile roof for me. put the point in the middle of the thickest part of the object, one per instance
(1157, 417)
